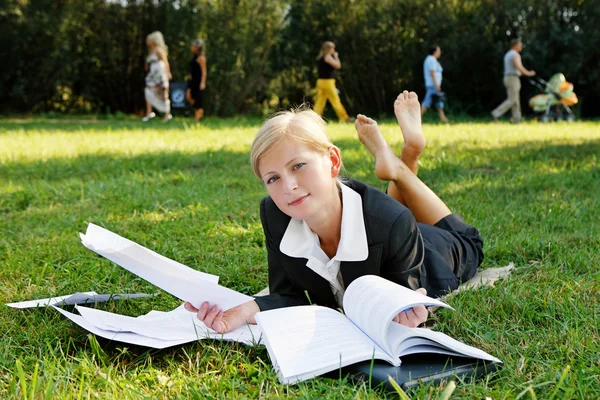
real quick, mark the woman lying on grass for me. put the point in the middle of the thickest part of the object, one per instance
(322, 232)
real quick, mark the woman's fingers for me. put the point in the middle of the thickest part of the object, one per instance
(218, 323)
(404, 319)
(209, 316)
(420, 314)
(412, 318)
(212, 317)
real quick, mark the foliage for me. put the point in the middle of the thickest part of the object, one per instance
(74, 56)
(382, 45)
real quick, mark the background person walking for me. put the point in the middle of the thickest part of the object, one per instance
(157, 80)
(513, 69)
(326, 90)
(197, 79)
(432, 72)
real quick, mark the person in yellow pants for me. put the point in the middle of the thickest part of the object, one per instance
(326, 90)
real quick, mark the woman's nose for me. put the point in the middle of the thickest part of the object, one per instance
(291, 185)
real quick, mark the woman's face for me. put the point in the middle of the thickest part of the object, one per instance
(193, 48)
(149, 43)
(300, 180)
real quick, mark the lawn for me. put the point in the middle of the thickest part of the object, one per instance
(187, 191)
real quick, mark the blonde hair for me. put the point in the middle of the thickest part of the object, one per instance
(325, 49)
(199, 44)
(302, 125)
(159, 41)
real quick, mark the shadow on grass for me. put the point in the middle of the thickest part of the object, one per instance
(176, 124)
(521, 197)
(223, 175)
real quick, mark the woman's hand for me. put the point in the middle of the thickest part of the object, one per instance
(225, 321)
(202, 85)
(415, 316)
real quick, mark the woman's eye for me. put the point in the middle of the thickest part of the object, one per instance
(298, 166)
(272, 179)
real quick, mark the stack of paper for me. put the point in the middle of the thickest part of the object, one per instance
(156, 329)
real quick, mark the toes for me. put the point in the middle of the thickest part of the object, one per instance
(363, 119)
(413, 95)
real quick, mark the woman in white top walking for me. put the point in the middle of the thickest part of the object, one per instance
(157, 80)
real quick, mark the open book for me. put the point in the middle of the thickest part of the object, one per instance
(307, 341)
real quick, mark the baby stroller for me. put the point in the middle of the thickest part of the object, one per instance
(558, 96)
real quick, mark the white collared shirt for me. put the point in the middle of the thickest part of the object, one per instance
(300, 242)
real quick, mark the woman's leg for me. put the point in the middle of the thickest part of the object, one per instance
(321, 97)
(405, 186)
(336, 103)
(198, 105)
(167, 105)
(148, 108)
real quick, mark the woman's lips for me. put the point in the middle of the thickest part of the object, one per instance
(298, 201)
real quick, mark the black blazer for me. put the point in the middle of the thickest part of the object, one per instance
(396, 252)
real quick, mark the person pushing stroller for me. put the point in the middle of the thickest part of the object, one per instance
(513, 69)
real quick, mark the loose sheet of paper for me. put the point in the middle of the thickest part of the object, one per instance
(176, 326)
(125, 337)
(76, 298)
(177, 279)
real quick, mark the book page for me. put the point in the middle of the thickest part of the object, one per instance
(307, 341)
(407, 341)
(371, 302)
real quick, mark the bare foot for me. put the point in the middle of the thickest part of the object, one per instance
(387, 165)
(408, 113)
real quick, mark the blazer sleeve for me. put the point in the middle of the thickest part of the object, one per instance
(405, 265)
(282, 291)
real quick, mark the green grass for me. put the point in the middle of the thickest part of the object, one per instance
(187, 191)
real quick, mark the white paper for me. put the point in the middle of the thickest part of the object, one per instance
(76, 298)
(307, 341)
(156, 329)
(419, 340)
(177, 279)
(372, 302)
(125, 337)
(98, 238)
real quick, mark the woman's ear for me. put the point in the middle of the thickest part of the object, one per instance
(335, 157)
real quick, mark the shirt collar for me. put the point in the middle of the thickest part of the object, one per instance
(298, 240)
